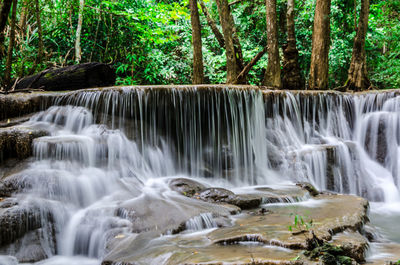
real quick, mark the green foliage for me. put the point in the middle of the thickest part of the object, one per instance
(149, 41)
(300, 223)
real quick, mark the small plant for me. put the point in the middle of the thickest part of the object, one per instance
(300, 224)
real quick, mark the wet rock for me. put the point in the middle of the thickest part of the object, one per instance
(7, 202)
(16, 142)
(283, 194)
(376, 142)
(186, 250)
(30, 248)
(334, 214)
(11, 167)
(392, 254)
(218, 195)
(14, 121)
(15, 183)
(20, 104)
(308, 187)
(16, 221)
(185, 186)
(148, 212)
(252, 239)
(352, 244)
(371, 234)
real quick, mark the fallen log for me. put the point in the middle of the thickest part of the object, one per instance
(73, 77)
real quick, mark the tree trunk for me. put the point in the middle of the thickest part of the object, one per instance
(198, 71)
(39, 57)
(292, 78)
(272, 76)
(232, 70)
(7, 73)
(358, 76)
(78, 50)
(319, 68)
(4, 12)
(213, 25)
(70, 78)
(23, 19)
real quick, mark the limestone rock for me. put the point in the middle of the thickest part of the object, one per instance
(16, 221)
(16, 142)
(185, 186)
(217, 195)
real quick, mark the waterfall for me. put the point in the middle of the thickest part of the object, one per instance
(338, 142)
(115, 146)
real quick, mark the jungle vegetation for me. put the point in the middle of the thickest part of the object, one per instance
(290, 44)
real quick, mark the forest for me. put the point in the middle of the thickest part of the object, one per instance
(199, 132)
(355, 44)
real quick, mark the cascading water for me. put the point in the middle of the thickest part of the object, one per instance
(116, 147)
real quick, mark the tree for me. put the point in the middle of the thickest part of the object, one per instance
(292, 78)
(7, 73)
(272, 76)
(78, 50)
(198, 71)
(319, 68)
(39, 57)
(232, 69)
(4, 12)
(211, 23)
(358, 76)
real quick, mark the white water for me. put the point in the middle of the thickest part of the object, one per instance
(114, 148)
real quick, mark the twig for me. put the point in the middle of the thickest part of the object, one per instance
(234, 2)
(15, 84)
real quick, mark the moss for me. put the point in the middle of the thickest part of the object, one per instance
(329, 255)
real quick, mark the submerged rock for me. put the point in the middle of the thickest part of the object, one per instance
(253, 239)
(30, 248)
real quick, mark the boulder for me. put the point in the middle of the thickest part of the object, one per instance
(353, 245)
(16, 221)
(218, 195)
(308, 187)
(185, 186)
(16, 142)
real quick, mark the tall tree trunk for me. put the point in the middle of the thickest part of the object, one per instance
(4, 12)
(78, 50)
(39, 57)
(198, 70)
(319, 68)
(213, 25)
(358, 76)
(292, 78)
(272, 76)
(232, 70)
(23, 19)
(7, 73)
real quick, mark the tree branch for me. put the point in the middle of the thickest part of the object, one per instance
(250, 65)
(234, 2)
(213, 25)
